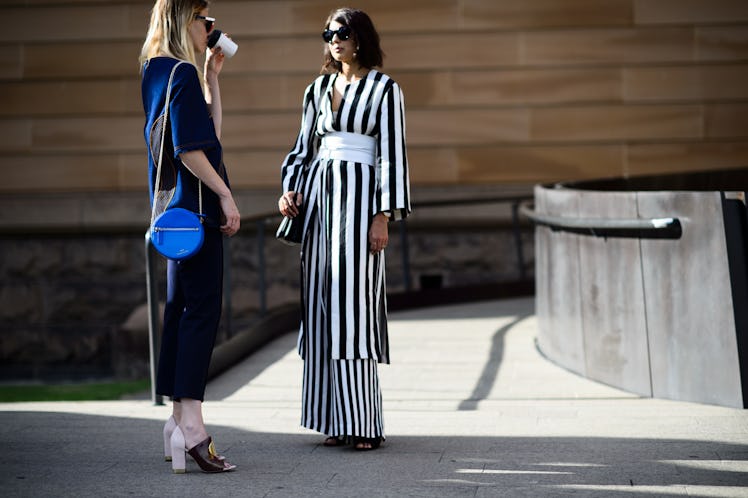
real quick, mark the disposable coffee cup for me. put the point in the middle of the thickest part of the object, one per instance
(218, 39)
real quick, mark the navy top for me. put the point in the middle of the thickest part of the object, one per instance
(191, 129)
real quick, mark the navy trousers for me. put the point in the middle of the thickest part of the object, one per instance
(193, 309)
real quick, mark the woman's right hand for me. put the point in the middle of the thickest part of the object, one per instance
(289, 203)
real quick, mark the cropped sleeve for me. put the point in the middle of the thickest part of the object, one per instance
(191, 125)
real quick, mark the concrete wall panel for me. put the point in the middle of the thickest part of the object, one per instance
(690, 320)
(560, 333)
(650, 315)
(612, 300)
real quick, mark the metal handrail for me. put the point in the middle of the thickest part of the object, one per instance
(668, 227)
(260, 222)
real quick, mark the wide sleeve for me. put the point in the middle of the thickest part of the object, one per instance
(393, 193)
(191, 125)
(303, 149)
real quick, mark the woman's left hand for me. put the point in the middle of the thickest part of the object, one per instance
(214, 61)
(378, 233)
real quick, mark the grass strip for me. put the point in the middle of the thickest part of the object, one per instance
(71, 392)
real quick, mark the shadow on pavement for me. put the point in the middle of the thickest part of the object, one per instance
(491, 369)
(64, 454)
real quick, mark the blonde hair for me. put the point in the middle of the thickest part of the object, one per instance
(168, 33)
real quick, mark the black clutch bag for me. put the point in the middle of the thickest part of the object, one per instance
(291, 230)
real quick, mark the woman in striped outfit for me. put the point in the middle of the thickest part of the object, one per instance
(347, 174)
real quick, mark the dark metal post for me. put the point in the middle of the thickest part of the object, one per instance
(261, 265)
(518, 240)
(227, 287)
(405, 248)
(154, 337)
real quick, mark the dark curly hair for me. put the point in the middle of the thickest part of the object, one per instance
(369, 53)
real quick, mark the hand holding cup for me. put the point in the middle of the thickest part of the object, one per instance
(219, 39)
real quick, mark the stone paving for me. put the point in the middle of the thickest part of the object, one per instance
(472, 409)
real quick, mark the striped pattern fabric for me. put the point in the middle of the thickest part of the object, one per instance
(373, 106)
(340, 397)
(343, 332)
(343, 284)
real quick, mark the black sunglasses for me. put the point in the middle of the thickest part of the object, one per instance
(343, 32)
(209, 21)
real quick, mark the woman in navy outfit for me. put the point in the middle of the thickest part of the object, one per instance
(192, 156)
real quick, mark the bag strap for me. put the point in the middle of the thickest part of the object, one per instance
(161, 149)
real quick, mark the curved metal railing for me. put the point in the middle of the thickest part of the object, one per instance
(661, 228)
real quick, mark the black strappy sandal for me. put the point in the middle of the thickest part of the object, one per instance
(334, 441)
(373, 441)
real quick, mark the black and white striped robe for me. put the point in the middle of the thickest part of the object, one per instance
(344, 313)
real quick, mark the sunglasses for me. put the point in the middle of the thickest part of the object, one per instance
(343, 32)
(209, 21)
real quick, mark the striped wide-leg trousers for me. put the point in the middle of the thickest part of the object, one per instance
(342, 397)
(339, 397)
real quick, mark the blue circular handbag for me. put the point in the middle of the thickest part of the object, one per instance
(177, 233)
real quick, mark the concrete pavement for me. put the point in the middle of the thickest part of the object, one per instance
(471, 409)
